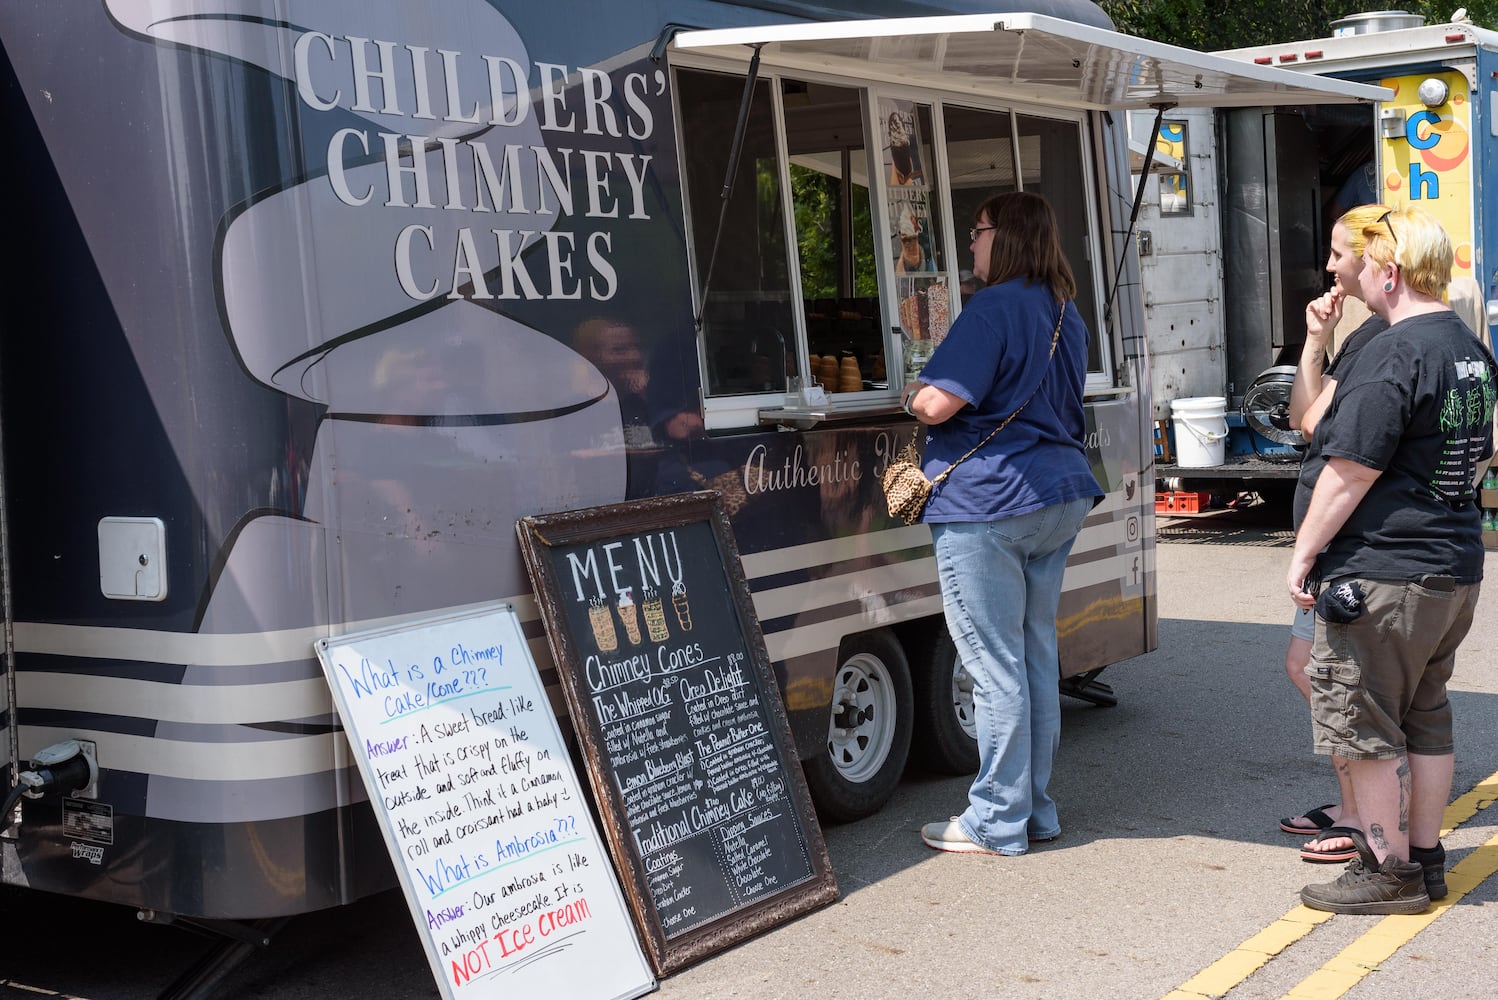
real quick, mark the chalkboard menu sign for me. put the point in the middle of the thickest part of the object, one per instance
(502, 866)
(680, 721)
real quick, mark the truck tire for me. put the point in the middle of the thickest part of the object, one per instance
(944, 718)
(868, 730)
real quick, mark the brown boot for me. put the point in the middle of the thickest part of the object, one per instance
(1395, 886)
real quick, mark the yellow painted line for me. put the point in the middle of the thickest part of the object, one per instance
(1390, 934)
(1469, 805)
(1217, 979)
(1250, 956)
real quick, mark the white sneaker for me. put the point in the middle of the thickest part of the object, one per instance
(948, 836)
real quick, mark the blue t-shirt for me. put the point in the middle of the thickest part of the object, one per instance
(994, 357)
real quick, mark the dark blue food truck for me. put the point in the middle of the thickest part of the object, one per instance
(319, 298)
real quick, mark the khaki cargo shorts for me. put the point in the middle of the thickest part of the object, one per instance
(1378, 684)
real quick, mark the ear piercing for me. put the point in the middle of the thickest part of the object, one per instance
(1388, 286)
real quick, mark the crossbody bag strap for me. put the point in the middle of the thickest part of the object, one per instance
(1055, 336)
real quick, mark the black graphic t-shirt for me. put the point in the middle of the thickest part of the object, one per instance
(1340, 367)
(1418, 406)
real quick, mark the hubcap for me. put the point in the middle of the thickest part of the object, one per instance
(962, 699)
(863, 718)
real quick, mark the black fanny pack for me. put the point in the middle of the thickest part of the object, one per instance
(1341, 603)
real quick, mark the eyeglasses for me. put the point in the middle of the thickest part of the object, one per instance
(1389, 225)
(972, 234)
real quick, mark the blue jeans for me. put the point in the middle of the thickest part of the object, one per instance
(1000, 586)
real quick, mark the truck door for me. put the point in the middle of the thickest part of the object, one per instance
(1180, 256)
(1273, 243)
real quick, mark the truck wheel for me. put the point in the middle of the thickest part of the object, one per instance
(868, 733)
(944, 710)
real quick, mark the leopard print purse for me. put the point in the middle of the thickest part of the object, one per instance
(906, 488)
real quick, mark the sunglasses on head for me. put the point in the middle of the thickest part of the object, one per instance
(1388, 224)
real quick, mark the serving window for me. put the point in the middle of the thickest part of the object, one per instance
(842, 254)
(747, 326)
(1051, 164)
(834, 235)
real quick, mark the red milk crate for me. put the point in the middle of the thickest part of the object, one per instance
(1181, 502)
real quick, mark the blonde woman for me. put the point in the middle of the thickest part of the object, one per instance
(1310, 394)
(1388, 525)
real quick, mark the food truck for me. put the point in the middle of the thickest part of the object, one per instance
(1234, 239)
(319, 298)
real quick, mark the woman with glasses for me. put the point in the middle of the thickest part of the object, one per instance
(1002, 398)
(1388, 523)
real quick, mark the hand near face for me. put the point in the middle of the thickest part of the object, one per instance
(1322, 315)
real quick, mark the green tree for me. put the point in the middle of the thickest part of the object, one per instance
(1205, 25)
(821, 236)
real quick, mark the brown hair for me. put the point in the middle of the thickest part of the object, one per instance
(1026, 243)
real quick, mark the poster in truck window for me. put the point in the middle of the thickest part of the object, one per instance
(922, 296)
(1175, 187)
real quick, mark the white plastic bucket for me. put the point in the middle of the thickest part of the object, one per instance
(1201, 431)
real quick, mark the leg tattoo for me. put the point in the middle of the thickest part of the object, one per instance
(1404, 794)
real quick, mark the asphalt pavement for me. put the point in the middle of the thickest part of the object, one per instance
(1169, 861)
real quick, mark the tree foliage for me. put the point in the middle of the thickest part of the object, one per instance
(820, 234)
(1209, 25)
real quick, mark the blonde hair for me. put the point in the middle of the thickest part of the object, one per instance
(1412, 240)
(1355, 220)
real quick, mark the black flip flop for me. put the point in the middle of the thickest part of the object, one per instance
(1317, 816)
(1333, 857)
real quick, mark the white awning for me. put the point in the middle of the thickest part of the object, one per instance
(1030, 57)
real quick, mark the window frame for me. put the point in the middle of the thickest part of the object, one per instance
(1189, 208)
(738, 412)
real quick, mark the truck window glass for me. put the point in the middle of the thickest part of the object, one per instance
(1051, 164)
(980, 162)
(829, 171)
(747, 329)
(1175, 186)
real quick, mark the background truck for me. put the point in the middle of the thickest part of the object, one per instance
(1234, 243)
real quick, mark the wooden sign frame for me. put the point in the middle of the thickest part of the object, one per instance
(540, 539)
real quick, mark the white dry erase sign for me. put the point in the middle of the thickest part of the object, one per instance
(508, 882)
